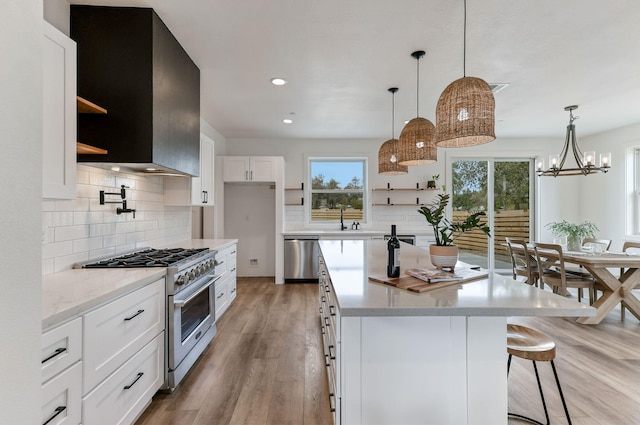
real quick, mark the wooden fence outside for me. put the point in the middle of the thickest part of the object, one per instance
(513, 224)
(334, 215)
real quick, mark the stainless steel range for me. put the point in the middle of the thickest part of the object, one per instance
(190, 301)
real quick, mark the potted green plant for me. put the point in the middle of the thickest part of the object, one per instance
(575, 233)
(444, 254)
(431, 184)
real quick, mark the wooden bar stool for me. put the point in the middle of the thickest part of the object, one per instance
(530, 344)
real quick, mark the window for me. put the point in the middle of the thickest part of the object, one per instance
(337, 185)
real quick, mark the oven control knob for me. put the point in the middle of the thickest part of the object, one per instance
(190, 276)
(180, 280)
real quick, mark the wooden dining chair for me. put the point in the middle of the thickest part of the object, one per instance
(605, 242)
(627, 245)
(523, 262)
(553, 272)
(531, 344)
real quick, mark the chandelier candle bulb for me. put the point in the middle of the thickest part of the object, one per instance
(589, 158)
(605, 160)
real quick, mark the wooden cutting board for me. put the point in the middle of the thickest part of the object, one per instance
(413, 284)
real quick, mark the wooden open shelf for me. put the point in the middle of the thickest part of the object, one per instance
(389, 189)
(82, 148)
(86, 107)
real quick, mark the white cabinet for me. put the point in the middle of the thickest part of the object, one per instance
(121, 397)
(249, 168)
(330, 329)
(226, 285)
(58, 115)
(116, 331)
(195, 191)
(62, 374)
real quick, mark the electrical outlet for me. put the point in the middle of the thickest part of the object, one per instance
(253, 262)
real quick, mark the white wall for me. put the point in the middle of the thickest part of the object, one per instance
(81, 229)
(20, 247)
(249, 212)
(605, 198)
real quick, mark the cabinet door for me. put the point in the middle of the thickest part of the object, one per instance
(117, 330)
(58, 115)
(262, 169)
(121, 397)
(235, 169)
(202, 187)
(60, 399)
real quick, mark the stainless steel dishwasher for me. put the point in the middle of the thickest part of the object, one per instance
(301, 258)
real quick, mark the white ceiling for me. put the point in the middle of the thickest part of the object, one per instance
(341, 56)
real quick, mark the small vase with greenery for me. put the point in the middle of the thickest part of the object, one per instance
(447, 231)
(431, 184)
(575, 233)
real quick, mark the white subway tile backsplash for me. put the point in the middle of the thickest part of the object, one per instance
(66, 262)
(67, 233)
(81, 229)
(87, 244)
(56, 249)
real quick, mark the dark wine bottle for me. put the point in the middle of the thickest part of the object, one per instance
(393, 254)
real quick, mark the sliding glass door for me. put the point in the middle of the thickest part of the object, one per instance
(503, 188)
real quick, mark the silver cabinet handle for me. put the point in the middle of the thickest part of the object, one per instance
(246, 175)
(251, 174)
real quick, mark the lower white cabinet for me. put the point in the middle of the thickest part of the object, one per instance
(104, 366)
(61, 402)
(226, 285)
(121, 397)
(116, 331)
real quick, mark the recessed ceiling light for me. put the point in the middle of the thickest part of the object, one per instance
(115, 168)
(151, 169)
(278, 81)
(287, 121)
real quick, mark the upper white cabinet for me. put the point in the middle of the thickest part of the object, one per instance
(195, 191)
(249, 168)
(59, 115)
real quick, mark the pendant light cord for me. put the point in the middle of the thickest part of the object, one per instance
(418, 87)
(464, 48)
(393, 113)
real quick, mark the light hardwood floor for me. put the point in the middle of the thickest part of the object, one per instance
(265, 367)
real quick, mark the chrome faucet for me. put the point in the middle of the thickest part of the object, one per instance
(342, 226)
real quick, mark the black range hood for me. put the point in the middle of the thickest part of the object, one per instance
(131, 64)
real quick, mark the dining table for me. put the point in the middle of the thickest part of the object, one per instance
(615, 289)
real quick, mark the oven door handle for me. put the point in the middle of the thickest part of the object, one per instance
(181, 303)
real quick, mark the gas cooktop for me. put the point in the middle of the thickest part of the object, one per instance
(149, 258)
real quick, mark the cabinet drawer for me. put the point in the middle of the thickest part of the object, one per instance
(116, 331)
(123, 395)
(232, 286)
(61, 347)
(61, 399)
(222, 296)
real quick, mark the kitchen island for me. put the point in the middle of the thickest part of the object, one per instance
(437, 357)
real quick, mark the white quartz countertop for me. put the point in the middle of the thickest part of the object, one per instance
(350, 262)
(70, 293)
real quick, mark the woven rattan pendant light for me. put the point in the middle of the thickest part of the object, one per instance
(417, 140)
(388, 153)
(465, 113)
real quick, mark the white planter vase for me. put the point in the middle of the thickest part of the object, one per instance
(443, 256)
